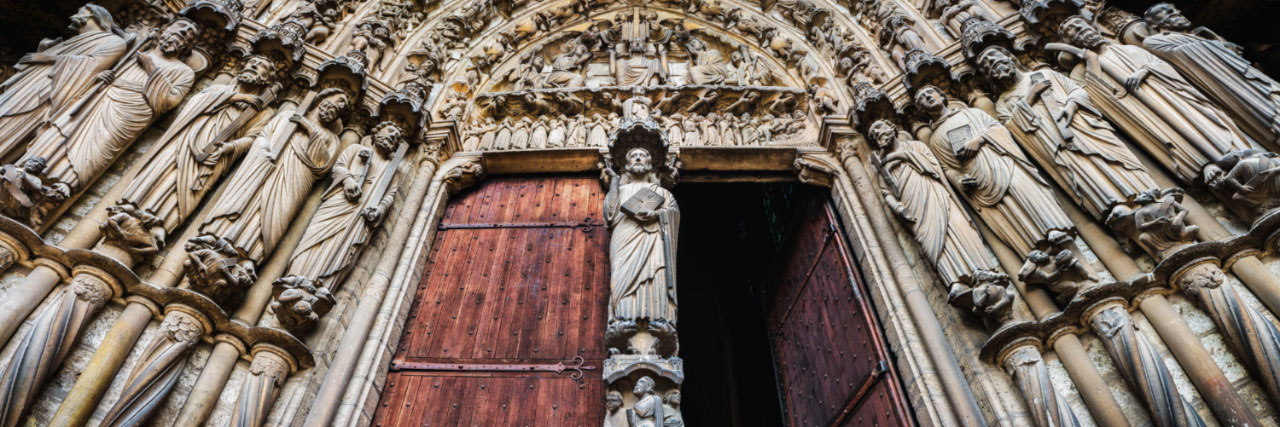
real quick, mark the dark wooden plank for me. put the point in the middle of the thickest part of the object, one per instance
(826, 340)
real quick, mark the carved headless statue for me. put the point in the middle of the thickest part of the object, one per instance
(82, 143)
(1217, 68)
(56, 76)
(1056, 122)
(349, 211)
(980, 157)
(1147, 98)
(191, 157)
(642, 244)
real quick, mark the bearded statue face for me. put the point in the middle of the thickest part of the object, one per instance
(333, 106)
(256, 71)
(643, 387)
(80, 19)
(639, 162)
(1166, 16)
(1081, 33)
(613, 401)
(884, 134)
(997, 64)
(386, 139)
(179, 37)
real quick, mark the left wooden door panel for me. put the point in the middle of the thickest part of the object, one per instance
(517, 277)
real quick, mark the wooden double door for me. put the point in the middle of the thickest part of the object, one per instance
(515, 289)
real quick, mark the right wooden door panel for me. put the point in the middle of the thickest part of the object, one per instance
(833, 367)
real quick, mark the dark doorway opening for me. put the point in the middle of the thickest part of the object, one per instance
(730, 236)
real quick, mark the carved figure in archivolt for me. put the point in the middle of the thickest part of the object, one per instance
(980, 157)
(1216, 67)
(1153, 103)
(284, 159)
(918, 192)
(198, 147)
(1057, 123)
(708, 65)
(80, 144)
(56, 75)
(644, 219)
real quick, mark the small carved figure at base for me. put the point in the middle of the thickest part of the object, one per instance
(1248, 180)
(299, 303)
(989, 297)
(217, 269)
(1060, 273)
(1158, 223)
(134, 230)
(25, 197)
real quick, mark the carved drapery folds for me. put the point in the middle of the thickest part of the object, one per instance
(643, 219)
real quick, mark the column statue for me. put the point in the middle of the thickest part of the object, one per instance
(81, 143)
(981, 158)
(200, 146)
(643, 218)
(57, 75)
(283, 161)
(349, 211)
(1147, 98)
(1216, 67)
(1057, 123)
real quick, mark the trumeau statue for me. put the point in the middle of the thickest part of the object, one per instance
(1147, 98)
(201, 145)
(1217, 68)
(981, 158)
(918, 193)
(356, 203)
(83, 142)
(285, 159)
(56, 76)
(1057, 123)
(643, 218)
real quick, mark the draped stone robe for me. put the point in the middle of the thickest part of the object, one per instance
(263, 195)
(1155, 125)
(338, 230)
(709, 67)
(1010, 196)
(173, 182)
(941, 226)
(637, 259)
(1230, 80)
(81, 148)
(40, 90)
(1096, 166)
